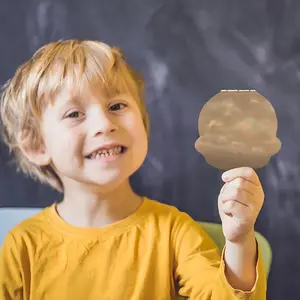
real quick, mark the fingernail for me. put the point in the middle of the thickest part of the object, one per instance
(224, 176)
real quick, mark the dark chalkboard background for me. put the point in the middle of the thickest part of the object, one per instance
(188, 51)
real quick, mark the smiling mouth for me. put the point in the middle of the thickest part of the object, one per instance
(102, 153)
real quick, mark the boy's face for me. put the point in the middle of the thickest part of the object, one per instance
(94, 139)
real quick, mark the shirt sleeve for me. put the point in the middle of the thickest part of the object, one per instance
(11, 283)
(200, 270)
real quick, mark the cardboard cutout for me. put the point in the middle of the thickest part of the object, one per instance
(237, 128)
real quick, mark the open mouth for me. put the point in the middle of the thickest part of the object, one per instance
(111, 152)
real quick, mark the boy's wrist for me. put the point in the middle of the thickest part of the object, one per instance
(244, 241)
(240, 258)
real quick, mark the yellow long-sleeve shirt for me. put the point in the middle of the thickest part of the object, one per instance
(138, 258)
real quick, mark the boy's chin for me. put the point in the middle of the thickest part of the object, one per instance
(108, 183)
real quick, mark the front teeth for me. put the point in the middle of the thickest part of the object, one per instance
(105, 153)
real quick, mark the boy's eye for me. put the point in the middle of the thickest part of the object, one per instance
(117, 106)
(74, 114)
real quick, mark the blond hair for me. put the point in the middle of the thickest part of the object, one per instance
(39, 79)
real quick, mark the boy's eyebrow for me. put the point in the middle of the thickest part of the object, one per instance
(63, 102)
(124, 96)
(68, 100)
(72, 99)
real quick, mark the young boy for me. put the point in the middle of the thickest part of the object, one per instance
(75, 119)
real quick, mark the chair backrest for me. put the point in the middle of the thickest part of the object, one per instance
(9, 217)
(215, 232)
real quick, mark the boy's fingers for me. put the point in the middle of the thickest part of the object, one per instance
(243, 172)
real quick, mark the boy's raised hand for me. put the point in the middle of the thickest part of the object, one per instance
(240, 201)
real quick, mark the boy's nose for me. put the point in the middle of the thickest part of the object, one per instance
(102, 124)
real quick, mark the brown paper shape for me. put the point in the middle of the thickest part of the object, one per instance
(237, 128)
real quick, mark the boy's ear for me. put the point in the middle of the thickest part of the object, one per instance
(34, 151)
